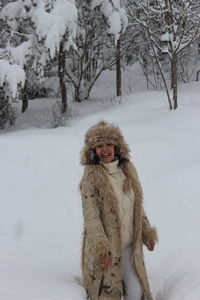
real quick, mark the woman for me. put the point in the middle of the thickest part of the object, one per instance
(115, 225)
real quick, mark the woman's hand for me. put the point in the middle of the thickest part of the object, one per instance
(105, 260)
(150, 245)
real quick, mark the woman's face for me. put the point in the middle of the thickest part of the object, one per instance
(105, 152)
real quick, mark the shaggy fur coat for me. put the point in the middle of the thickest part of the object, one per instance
(102, 224)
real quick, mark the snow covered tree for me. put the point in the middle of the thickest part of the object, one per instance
(85, 64)
(12, 77)
(170, 26)
(95, 50)
(114, 14)
(181, 28)
(116, 22)
(44, 30)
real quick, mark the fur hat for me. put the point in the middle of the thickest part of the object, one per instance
(100, 133)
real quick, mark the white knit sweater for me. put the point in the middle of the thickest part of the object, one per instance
(125, 201)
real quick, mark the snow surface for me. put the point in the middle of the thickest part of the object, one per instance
(40, 213)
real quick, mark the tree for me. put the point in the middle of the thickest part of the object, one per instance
(116, 22)
(44, 29)
(95, 50)
(12, 77)
(181, 29)
(92, 54)
(170, 27)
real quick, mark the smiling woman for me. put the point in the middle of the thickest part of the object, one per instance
(105, 152)
(115, 224)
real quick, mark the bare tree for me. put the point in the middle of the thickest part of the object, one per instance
(170, 27)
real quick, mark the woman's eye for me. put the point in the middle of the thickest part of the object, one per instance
(99, 147)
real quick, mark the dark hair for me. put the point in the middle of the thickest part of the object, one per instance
(93, 157)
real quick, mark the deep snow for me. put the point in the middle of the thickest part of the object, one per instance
(40, 207)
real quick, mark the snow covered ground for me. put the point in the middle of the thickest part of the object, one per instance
(40, 207)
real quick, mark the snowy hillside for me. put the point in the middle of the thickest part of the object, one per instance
(40, 207)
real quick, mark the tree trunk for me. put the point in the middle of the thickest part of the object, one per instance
(77, 97)
(163, 77)
(118, 69)
(197, 75)
(7, 115)
(174, 80)
(24, 97)
(61, 74)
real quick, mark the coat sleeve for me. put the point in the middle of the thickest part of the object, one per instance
(92, 220)
(148, 233)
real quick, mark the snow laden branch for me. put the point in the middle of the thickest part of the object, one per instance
(11, 75)
(50, 23)
(114, 14)
(53, 25)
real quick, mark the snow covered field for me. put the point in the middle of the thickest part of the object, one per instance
(40, 207)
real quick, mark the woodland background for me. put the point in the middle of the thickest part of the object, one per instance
(60, 49)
